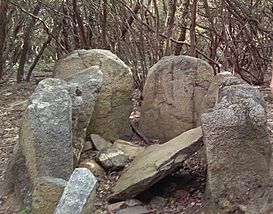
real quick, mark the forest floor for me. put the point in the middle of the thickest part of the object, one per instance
(183, 191)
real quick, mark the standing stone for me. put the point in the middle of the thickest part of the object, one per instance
(113, 108)
(88, 83)
(46, 195)
(173, 94)
(46, 131)
(79, 194)
(238, 148)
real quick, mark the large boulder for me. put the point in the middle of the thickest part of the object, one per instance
(79, 194)
(88, 83)
(238, 149)
(113, 108)
(173, 94)
(155, 163)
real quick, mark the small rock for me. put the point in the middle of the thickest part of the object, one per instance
(129, 148)
(112, 158)
(99, 143)
(79, 194)
(46, 195)
(133, 202)
(134, 210)
(87, 146)
(113, 208)
(93, 166)
(157, 202)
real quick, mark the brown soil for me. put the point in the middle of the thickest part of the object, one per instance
(183, 190)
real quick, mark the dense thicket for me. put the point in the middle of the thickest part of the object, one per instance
(234, 35)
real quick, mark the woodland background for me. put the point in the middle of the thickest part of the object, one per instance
(233, 35)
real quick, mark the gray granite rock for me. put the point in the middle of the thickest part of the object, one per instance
(112, 158)
(46, 131)
(238, 148)
(45, 139)
(79, 194)
(88, 83)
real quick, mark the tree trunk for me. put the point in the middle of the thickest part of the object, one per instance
(83, 37)
(3, 16)
(170, 24)
(28, 32)
(182, 35)
(36, 60)
(192, 28)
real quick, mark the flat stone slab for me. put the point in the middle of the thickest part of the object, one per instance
(155, 163)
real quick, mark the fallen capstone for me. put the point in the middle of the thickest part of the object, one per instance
(112, 158)
(46, 194)
(110, 118)
(155, 163)
(88, 83)
(79, 194)
(238, 150)
(172, 96)
(129, 148)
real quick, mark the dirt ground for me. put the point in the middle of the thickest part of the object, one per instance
(183, 190)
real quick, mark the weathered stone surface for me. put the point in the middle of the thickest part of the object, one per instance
(112, 158)
(155, 163)
(46, 131)
(135, 210)
(173, 93)
(110, 117)
(88, 83)
(99, 143)
(79, 194)
(87, 146)
(237, 147)
(128, 148)
(17, 178)
(115, 207)
(93, 166)
(46, 194)
(219, 81)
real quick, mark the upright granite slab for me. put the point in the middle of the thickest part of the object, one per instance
(88, 83)
(79, 194)
(238, 150)
(110, 119)
(155, 163)
(45, 139)
(46, 131)
(172, 97)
